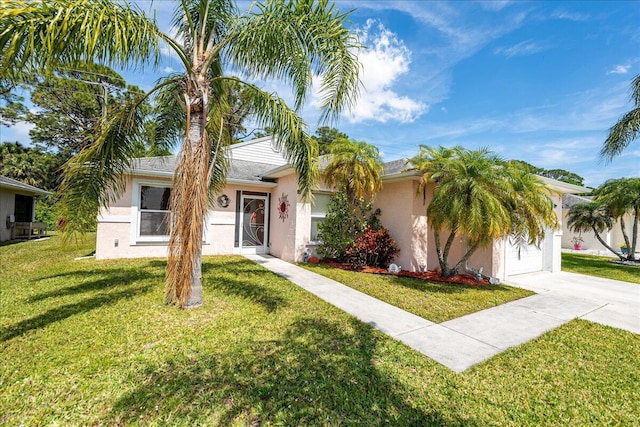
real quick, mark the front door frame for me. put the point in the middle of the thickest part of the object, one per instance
(249, 249)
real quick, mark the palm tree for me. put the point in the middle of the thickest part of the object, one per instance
(480, 197)
(591, 216)
(355, 167)
(290, 41)
(626, 129)
(621, 197)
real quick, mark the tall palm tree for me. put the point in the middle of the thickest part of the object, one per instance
(480, 197)
(355, 167)
(290, 41)
(592, 216)
(621, 197)
(626, 129)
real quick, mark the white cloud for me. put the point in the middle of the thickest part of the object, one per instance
(620, 69)
(527, 47)
(570, 16)
(495, 5)
(385, 61)
(168, 70)
(18, 132)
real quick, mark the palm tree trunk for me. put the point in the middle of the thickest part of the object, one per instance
(623, 227)
(634, 241)
(444, 256)
(189, 209)
(464, 259)
(619, 255)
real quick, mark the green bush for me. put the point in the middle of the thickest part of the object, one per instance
(343, 224)
(48, 210)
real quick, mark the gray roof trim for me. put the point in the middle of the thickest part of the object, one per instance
(570, 200)
(240, 171)
(6, 182)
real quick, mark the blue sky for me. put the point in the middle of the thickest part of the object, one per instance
(535, 81)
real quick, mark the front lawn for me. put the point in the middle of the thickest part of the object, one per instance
(437, 302)
(599, 266)
(91, 343)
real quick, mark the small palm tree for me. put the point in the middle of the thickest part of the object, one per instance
(480, 197)
(591, 216)
(621, 197)
(355, 167)
(291, 41)
(626, 129)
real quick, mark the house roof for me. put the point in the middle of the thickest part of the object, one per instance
(260, 173)
(240, 171)
(570, 200)
(20, 187)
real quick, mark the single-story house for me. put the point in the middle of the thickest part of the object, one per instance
(613, 237)
(259, 211)
(17, 207)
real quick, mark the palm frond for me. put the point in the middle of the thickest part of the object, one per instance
(96, 176)
(626, 129)
(288, 41)
(289, 130)
(43, 34)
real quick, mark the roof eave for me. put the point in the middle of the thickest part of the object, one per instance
(398, 176)
(563, 187)
(30, 191)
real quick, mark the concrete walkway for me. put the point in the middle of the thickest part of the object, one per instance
(463, 342)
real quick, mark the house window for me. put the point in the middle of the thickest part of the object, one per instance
(318, 213)
(154, 211)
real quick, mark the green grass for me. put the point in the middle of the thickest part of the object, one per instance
(437, 302)
(91, 343)
(598, 266)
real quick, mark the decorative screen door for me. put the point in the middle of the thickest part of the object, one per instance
(253, 224)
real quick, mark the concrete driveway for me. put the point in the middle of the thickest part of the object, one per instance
(617, 303)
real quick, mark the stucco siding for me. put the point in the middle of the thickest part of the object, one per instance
(116, 233)
(283, 231)
(403, 219)
(7, 205)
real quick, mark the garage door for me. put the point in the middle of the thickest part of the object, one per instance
(523, 259)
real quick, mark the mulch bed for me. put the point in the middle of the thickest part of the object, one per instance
(432, 276)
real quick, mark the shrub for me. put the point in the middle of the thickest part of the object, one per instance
(375, 248)
(343, 224)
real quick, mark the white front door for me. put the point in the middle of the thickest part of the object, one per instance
(254, 218)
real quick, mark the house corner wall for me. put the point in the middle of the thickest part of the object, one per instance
(284, 237)
(7, 207)
(404, 215)
(499, 258)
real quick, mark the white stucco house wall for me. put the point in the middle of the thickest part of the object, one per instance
(17, 204)
(259, 211)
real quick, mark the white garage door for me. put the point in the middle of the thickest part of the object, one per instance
(526, 259)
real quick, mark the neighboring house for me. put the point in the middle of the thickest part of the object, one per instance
(613, 237)
(259, 211)
(17, 205)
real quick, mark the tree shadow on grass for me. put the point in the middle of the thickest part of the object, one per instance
(253, 292)
(250, 288)
(318, 373)
(65, 311)
(103, 280)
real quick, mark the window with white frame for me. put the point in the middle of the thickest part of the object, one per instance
(153, 212)
(318, 213)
